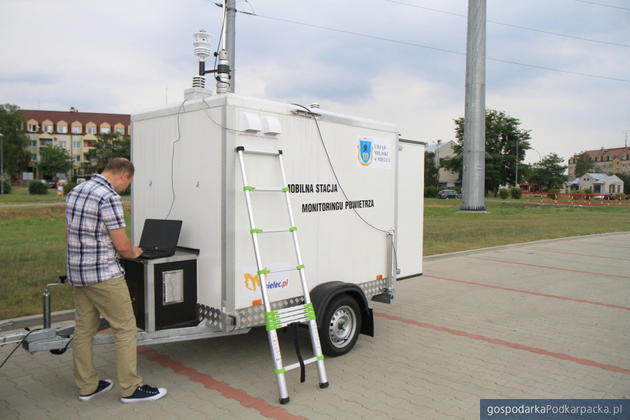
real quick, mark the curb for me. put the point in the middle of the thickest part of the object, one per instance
(35, 320)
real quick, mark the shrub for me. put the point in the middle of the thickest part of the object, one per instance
(431, 191)
(553, 194)
(68, 187)
(516, 193)
(577, 194)
(7, 186)
(504, 193)
(37, 187)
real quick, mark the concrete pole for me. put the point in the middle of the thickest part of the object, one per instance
(230, 38)
(474, 167)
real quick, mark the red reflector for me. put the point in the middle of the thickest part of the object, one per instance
(379, 277)
(256, 302)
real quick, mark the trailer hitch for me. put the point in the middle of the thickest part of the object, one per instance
(46, 300)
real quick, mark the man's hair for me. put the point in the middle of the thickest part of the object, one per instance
(118, 165)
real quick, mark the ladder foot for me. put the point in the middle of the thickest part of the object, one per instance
(284, 400)
(323, 385)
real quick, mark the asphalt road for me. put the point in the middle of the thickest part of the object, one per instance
(541, 320)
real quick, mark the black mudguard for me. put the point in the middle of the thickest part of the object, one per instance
(325, 292)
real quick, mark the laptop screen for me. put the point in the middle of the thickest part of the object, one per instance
(160, 234)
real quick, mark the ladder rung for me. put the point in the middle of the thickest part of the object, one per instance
(251, 188)
(275, 230)
(288, 320)
(306, 362)
(295, 308)
(287, 316)
(259, 151)
(283, 271)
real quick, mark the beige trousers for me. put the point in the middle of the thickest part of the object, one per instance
(110, 299)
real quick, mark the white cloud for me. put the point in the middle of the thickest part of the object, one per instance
(121, 56)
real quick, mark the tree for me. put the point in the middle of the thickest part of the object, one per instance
(583, 164)
(431, 175)
(53, 160)
(549, 173)
(626, 182)
(107, 147)
(503, 137)
(14, 142)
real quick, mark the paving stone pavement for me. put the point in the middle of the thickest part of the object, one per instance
(540, 320)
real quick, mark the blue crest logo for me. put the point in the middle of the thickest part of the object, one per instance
(365, 152)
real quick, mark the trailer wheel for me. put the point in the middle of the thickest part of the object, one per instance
(341, 326)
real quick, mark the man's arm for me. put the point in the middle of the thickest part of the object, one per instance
(123, 244)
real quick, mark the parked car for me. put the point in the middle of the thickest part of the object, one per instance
(446, 194)
(49, 183)
(80, 180)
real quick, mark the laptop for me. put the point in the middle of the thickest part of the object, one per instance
(159, 238)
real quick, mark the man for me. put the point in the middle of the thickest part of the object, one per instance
(95, 227)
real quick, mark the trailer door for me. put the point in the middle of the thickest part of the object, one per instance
(410, 208)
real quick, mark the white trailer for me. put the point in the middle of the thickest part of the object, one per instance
(356, 193)
(356, 190)
(357, 196)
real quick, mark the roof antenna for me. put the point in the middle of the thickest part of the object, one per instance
(202, 50)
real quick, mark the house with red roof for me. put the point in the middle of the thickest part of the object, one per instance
(74, 131)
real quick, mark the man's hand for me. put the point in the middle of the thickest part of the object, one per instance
(123, 244)
(137, 251)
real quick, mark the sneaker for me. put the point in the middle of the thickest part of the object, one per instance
(103, 386)
(145, 393)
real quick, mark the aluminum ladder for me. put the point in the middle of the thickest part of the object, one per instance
(294, 314)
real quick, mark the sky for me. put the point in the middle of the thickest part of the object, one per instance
(399, 61)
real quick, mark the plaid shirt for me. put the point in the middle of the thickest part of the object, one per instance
(92, 209)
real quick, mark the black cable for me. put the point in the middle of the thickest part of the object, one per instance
(62, 351)
(604, 5)
(216, 53)
(444, 50)
(321, 138)
(173, 158)
(16, 347)
(510, 25)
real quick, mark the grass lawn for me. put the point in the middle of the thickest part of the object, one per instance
(32, 241)
(20, 195)
(446, 229)
(32, 254)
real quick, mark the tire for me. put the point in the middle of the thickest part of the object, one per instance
(341, 326)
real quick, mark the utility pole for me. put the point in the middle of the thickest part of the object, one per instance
(474, 165)
(230, 39)
(516, 175)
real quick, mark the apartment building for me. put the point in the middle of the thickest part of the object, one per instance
(71, 130)
(607, 161)
(443, 150)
